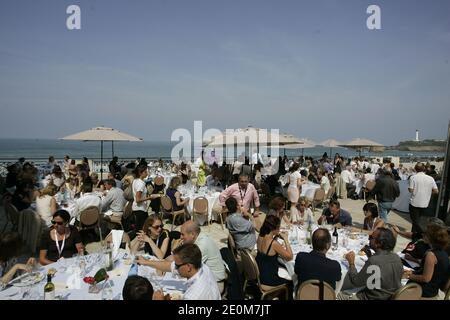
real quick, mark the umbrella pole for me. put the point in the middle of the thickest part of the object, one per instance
(330, 152)
(101, 161)
(112, 148)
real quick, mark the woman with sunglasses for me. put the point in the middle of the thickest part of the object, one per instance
(304, 212)
(153, 238)
(61, 241)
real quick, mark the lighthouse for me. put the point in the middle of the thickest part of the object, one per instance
(417, 135)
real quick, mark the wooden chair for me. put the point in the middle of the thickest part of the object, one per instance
(319, 197)
(167, 207)
(368, 189)
(201, 208)
(251, 273)
(412, 291)
(259, 221)
(90, 218)
(232, 246)
(315, 290)
(331, 192)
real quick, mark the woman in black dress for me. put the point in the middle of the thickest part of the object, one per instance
(61, 241)
(153, 238)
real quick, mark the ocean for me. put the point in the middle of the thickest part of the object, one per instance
(12, 149)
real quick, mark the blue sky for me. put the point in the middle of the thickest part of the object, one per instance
(310, 68)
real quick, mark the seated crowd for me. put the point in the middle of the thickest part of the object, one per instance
(130, 200)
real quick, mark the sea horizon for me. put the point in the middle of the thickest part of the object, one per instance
(41, 148)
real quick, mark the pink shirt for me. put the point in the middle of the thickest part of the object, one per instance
(243, 197)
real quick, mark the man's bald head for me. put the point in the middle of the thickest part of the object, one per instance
(321, 240)
(190, 231)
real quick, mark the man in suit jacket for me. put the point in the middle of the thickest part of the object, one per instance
(315, 265)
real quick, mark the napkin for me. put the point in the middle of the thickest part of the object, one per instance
(116, 241)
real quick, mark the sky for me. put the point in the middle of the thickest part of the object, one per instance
(308, 68)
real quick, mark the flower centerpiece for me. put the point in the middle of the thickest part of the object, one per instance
(100, 275)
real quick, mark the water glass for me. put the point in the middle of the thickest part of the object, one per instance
(107, 292)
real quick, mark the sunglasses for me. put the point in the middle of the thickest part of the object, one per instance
(178, 266)
(158, 226)
(59, 223)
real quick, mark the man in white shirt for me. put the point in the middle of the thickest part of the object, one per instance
(201, 284)
(87, 199)
(346, 176)
(421, 187)
(114, 199)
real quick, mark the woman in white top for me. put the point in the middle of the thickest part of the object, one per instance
(295, 182)
(140, 202)
(305, 214)
(46, 203)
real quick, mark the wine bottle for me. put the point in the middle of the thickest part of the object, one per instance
(309, 233)
(109, 258)
(49, 289)
(335, 238)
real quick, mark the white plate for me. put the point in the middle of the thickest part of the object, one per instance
(29, 279)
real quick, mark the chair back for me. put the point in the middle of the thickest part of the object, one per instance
(159, 181)
(125, 238)
(315, 290)
(412, 291)
(319, 194)
(166, 203)
(201, 205)
(331, 191)
(128, 210)
(250, 267)
(370, 185)
(90, 216)
(259, 220)
(150, 189)
(232, 245)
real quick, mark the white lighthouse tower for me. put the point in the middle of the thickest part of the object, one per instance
(417, 135)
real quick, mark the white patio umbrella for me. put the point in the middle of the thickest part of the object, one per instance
(305, 144)
(248, 136)
(102, 134)
(330, 143)
(359, 144)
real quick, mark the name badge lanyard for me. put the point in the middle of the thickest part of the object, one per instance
(60, 250)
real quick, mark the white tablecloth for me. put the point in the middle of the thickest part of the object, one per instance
(308, 190)
(402, 202)
(297, 239)
(70, 286)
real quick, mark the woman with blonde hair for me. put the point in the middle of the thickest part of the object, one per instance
(174, 195)
(46, 203)
(304, 212)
